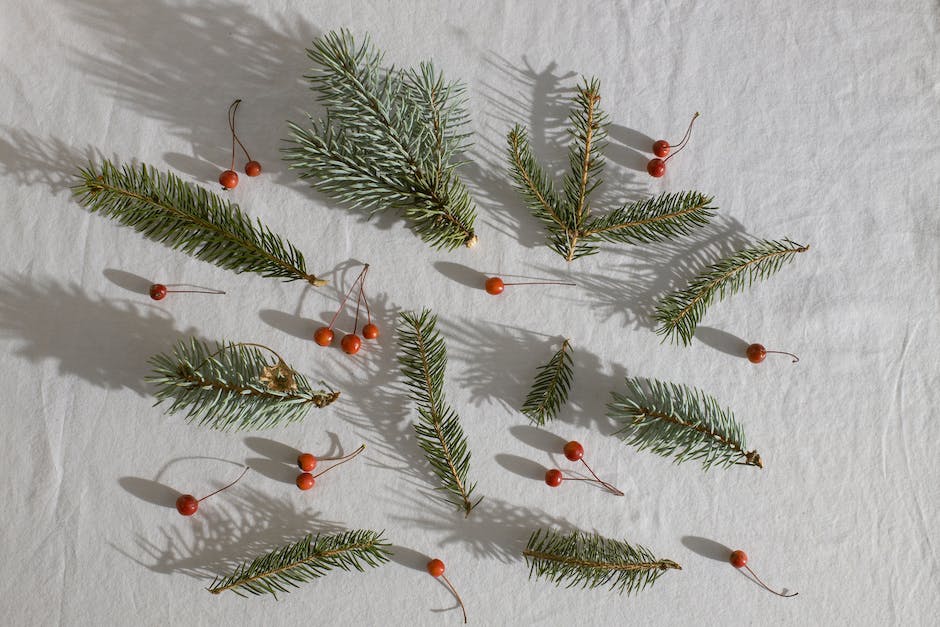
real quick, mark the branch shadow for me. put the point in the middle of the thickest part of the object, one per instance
(496, 529)
(50, 162)
(630, 286)
(225, 533)
(105, 342)
(183, 65)
(502, 362)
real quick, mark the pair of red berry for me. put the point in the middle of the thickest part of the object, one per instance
(351, 343)
(307, 462)
(661, 148)
(187, 504)
(229, 178)
(575, 452)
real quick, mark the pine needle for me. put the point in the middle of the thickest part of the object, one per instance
(232, 386)
(390, 139)
(164, 208)
(550, 390)
(680, 312)
(303, 561)
(423, 358)
(590, 560)
(572, 230)
(681, 422)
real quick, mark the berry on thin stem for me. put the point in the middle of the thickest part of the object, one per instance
(324, 335)
(661, 148)
(495, 285)
(738, 559)
(574, 452)
(756, 353)
(436, 570)
(308, 462)
(305, 481)
(158, 291)
(187, 504)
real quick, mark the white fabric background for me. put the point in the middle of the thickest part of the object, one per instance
(819, 122)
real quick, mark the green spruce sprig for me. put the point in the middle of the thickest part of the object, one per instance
(423, 358)
(590, 560)
(232, 386)
(573, 231)
(303, 561)
(550, 390)
(166, 209)
(681, 422)
(680, 312)
(390, 139)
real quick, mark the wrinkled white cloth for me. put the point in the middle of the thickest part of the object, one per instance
(819, 123)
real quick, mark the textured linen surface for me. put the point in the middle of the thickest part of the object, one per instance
(819, 122)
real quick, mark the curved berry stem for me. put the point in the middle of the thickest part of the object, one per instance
(685, 139)
(226, 487)
(603, 483)
(205, 291)
(766, 587)
(457, 596)
(231, 124)
(342, 461)
(342, 303)
(795, 358)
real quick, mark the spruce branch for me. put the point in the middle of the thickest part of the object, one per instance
(164, 208)
(680, 312)
(232, 386)
(550, 390)
(572, 230)
(303, 561)
(590, 561)
(390, 139)
(681, 422)
(423, 358)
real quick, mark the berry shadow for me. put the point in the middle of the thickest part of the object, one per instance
(464, 275)
(707, 548)
(722, 341)
(102, 341)
(129, 281)
(538, 438)
(629, 148)
(525, 468)
(150, 491)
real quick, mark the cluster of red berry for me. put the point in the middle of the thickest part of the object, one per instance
(307, 462)
(661, 148)
(350, 342)
(229, 178)
(575, 452)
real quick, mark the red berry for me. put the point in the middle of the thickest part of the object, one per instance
(252, 168)
(738, 559)
(323, 336)
(574, 451)
(187, 504)
(436, 567)
(157, 291)
(370, 331)
(228, 179)
(553, 477)
(494, 285)
(661, 148)
(305, 481)
(756, 353)
(656, 167)
(351, 343)
(306, 462)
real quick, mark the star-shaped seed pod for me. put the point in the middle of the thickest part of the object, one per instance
(278, 377)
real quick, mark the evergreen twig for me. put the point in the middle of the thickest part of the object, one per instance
(550, 390)
(303, 561)
(680, 312)
(590, 561)
(567, 216)
(166, 209)
(423, 358)
(232, 386)
(681, 422)
(390, 139)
